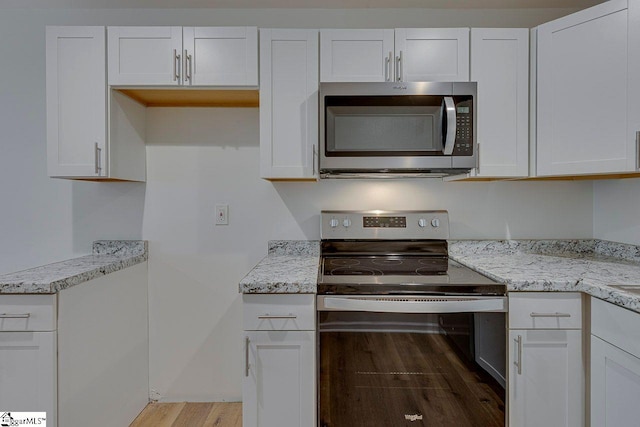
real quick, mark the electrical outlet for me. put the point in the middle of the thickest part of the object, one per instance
(222, 214)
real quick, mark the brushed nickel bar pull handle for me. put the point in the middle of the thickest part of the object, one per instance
(190, 68)
(387, 67)
(14, 316)
(556, 314)
(268, 316)
(97, 151)
(177, 65)
(175, 58)
(638, 149)
(187, 66)
(246, 356)
(400, 68)
(397, 68)
(519, 360)
(313, 159)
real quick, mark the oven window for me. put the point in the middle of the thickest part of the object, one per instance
(389, 369)
(383, 126)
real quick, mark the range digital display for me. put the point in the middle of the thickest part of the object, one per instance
(384, 222)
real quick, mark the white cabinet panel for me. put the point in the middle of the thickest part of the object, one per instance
(356, 55)
(76, 101)
(288, 103)
(545, 310)
(582, 93)
(278, 312)
(279, 384)
(615, 385)
(500, 66)
(432, 54)
(145, 55)
(28, 373)
(546, 378)
(220, 56)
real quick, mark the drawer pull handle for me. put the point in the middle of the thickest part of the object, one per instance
(518, 363)
(14, 316)
(268, 316)
(556, 314)
(246, 356)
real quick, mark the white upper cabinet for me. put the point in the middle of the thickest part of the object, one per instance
(500, 65)
(76, 102)
(189, 56)
(633, 127)
(80, 145)
(357, 56)
(582, 93)
(432, 54)
(288, 103)
(404, 54)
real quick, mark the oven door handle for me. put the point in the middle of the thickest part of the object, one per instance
(414, 305)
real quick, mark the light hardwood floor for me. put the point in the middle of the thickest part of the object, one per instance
(190, 415)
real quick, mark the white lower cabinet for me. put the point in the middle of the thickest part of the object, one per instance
(546, 370)
(278, 388)
(28, 373)
(615, 365)
(82, 355)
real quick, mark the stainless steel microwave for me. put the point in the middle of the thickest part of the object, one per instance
(397, 129)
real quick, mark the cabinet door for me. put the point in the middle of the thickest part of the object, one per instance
(615, 385)
(288, 103)
(582, 93)
(145, 56)
(356, 55)
(432, 54)
(220, 56)
(500, 65)
(28, 373)
(76, 101)
(634, 70)
(546, 378)
(278, 387)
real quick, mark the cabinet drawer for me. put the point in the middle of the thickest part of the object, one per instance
(545, 310)
(279, 312)
(27, 312)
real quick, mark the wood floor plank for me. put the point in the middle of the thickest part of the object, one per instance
(158, 415)
(193, 414)
(225, 415)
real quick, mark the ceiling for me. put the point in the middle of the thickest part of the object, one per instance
(305, 4)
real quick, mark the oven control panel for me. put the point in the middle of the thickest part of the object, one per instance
(394, 225)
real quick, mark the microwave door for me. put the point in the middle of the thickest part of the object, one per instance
(449, 121)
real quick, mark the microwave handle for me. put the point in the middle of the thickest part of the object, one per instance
(450, 135)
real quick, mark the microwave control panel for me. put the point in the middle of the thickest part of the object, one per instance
(463, 145)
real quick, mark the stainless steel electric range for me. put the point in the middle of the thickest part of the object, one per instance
(406, 335)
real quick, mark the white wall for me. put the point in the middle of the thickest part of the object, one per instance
(616, 210)
(194, 266)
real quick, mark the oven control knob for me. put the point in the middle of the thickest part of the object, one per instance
(422, 222)
(435, 223)
(334, 223)
(346, 222)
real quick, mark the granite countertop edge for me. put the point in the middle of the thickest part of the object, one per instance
(108, 257)
(551, 266)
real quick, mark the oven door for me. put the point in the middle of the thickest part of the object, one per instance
(396, 361)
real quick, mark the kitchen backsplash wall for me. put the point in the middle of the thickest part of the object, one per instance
(199, 158)
(616, 210)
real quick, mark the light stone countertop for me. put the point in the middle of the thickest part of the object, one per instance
(589, 266)
(108, 256)
(290, 268)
